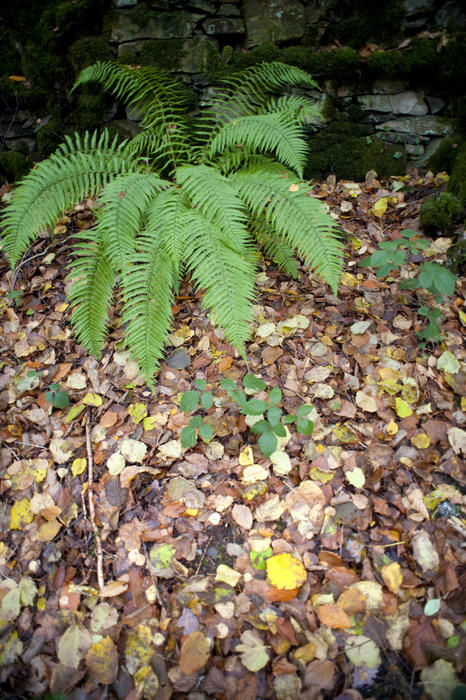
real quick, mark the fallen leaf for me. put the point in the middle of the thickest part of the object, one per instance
(78, 466)
(254, 654)
(242, 516)
(333, 616)
(362, 651)
(20, 514)
(366, 402)
(356, 477)
(194, 653)
(285, 572)
(281, 462)
(424, 552)
(440, 680)
(137, 411)
(457, 439)
(246, 458)
(92, 399)
(402, 408)
(392, 576)
(133, 450)
(102, 661)
(73, 646)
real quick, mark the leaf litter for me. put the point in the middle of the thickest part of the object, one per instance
(333, 569)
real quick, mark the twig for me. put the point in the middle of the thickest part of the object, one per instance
(203, 555)
(90, 478)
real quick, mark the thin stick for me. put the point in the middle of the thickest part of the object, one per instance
(90, 471)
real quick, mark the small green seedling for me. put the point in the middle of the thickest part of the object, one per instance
(433, 277)
(56, 396)
(270, 423)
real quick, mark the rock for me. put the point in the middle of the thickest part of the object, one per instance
(18, 143)
(128, 127)
(196, 54)
(228, 10)
(276, 20)
(416, 7)
(422, 126)
(408, 102)
(204, 6)
(179, 359)
(452, 13)
(322, 105)
(224, 25)
(124, 3)
(134, 115)
(389, 87)
(162, 25)
(435, 104)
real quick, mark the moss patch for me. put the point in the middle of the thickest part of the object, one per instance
(440, 213)
(350, 157)
(13, 166)
(457, 183)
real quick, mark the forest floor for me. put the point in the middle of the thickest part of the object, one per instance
(132, 567)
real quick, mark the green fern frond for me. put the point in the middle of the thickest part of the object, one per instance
(225, 273)
(297, 217)
(148, 298)
(273, 133)
(78, 169)
(213, 195)
(165, 221)
(275, 247)
(246, 91)
(160, 98)
(91, 291)
(123, 202)
(299, 109)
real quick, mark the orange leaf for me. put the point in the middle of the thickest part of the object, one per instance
(274, 595)
(225, 363)
(195, 652)
(333, 616)
(17, 78)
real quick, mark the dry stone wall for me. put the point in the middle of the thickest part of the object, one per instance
(194, 38)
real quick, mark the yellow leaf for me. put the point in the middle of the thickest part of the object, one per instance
(17, 78)
(391, 428)
(318, 475)
(137, 411)
(78, 466)
(48, 531)
(92, 399)
(392, 576)
(293, 188)
(285, 572)
(462, 316)
(149, 423)
(402, 408)
(246, 457)
(102, 661)
(20, 514)
(421, 441)
(74, 412)
(380, 207)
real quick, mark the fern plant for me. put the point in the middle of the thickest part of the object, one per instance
(194, 193)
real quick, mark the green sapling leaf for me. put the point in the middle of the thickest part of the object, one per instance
(189, 401)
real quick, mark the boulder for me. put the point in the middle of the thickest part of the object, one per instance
(197, 52)
(224, 25)
(422, 126)
(408, 102)
(276, 20)
(228, 10)
(160, 25)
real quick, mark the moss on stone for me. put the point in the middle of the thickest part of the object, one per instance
(165, 53)
(89, 111)
(87, 50)
(457, 182)
(141, 14)
(440, 213)
(13, 166)
(341, 64)
(444, 157)
(352, 157)
(456, 257)
(362, 23)
(49, 137)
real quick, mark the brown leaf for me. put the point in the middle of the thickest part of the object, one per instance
(418, 634)
(194, 653)
(333, 616)
(353, 601)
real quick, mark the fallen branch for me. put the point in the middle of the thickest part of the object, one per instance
(90, 494)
